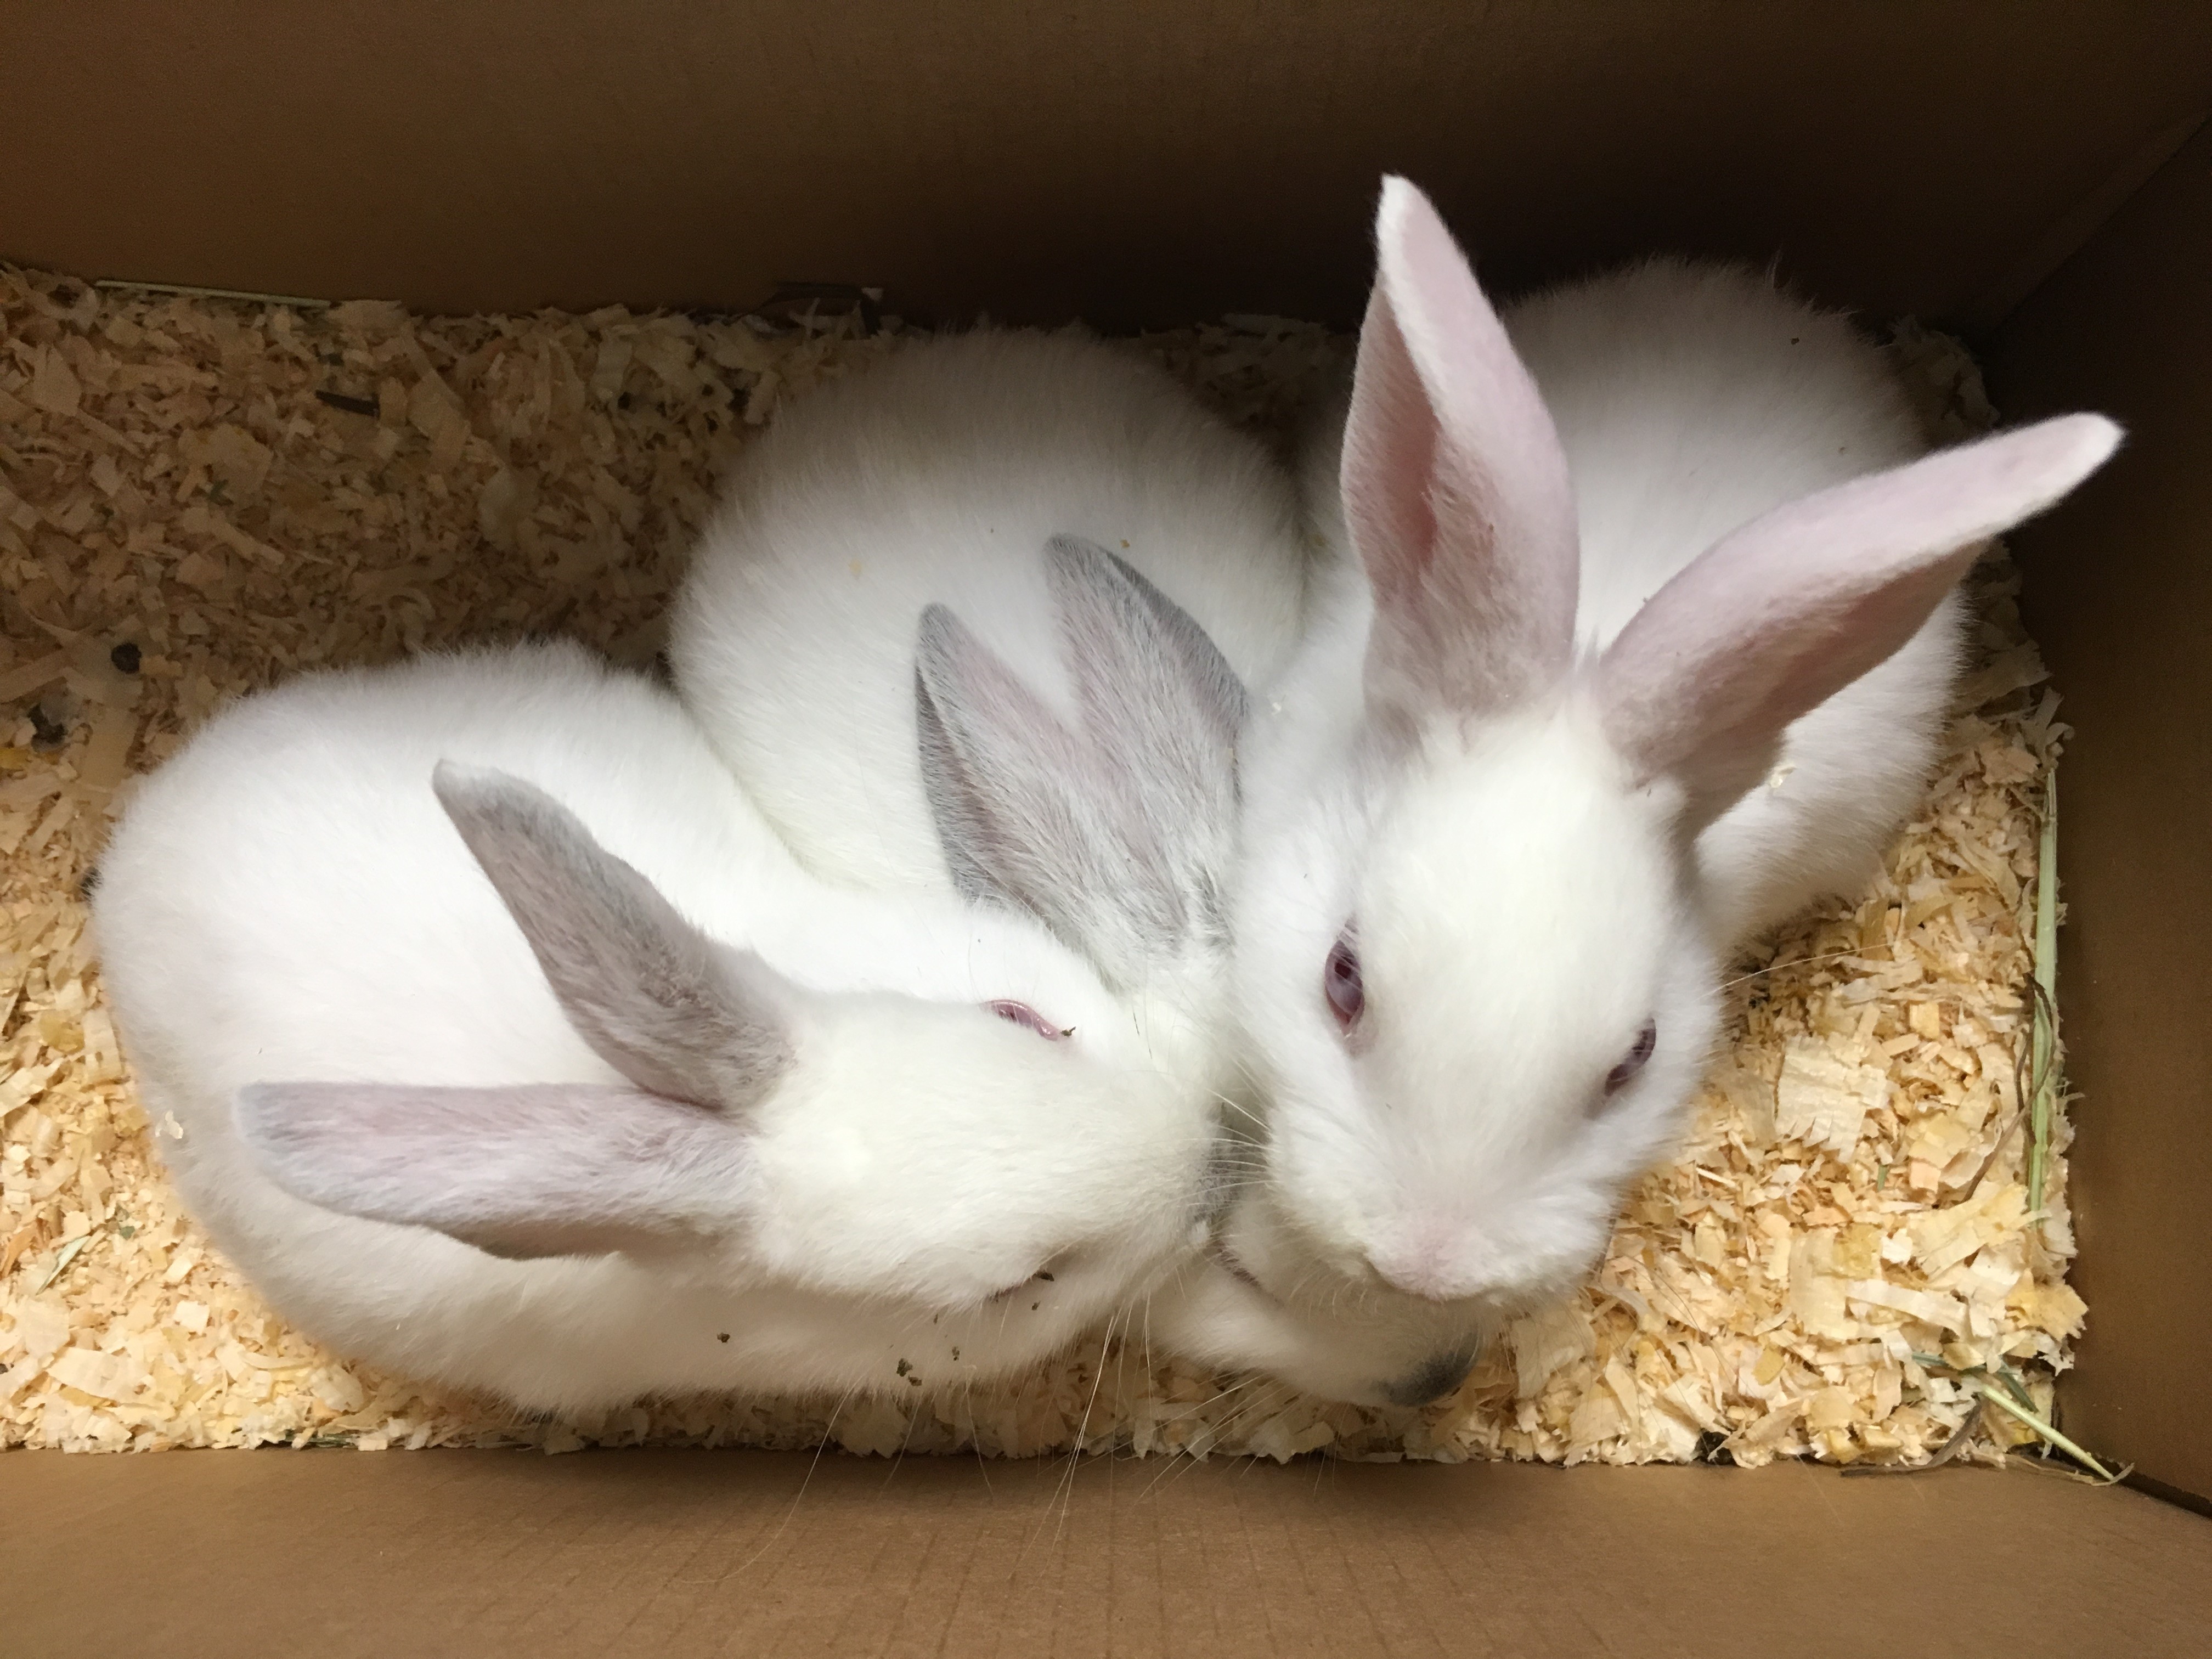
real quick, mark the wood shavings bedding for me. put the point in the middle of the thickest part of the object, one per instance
(198, 497)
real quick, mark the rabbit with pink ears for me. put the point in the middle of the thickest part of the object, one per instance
(1639, 632)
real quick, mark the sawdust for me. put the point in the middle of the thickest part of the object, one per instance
(198, 497)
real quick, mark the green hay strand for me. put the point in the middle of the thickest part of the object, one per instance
(68, 1253)
(2043, 1043)
(2005, 1391)
(2005, 1403)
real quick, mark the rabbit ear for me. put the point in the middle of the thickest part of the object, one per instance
(1156, 691)
(1010, 787)
(1455, 489)
(553, 1169)
(1784, 613)
(1111, 835)
(672, 1010)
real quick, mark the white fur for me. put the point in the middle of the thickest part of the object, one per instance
(938, 478)
(1690, 399)
(1449, 1185)
(285, 901)
(1524, 899)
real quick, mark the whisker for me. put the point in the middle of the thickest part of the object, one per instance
(1181, 1460)
(1777, 967)
(1097, 1377)
(829, 1428)
(974, 1439)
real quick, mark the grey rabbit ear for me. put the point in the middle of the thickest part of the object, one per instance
(531, 1170)
(673, 1010)
(1116, 835)
(1030, 813)
(1151, 679)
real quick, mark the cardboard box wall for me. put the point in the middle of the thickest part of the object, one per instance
(2026, 173)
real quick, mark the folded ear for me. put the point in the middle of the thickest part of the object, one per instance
(537, 1171)
(678, 1013)
(1455, 489)
(1116, 835)
(1784, 613)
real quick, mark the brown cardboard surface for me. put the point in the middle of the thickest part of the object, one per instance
(2118, 587)
(1158, 160)
(1153, 160)
(482, 1555)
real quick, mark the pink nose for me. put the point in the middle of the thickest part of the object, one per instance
(1434, 1262)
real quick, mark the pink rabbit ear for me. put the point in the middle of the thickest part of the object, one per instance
(1455, 489)
(1780, 615)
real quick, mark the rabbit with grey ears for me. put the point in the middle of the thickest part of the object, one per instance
(1616, 660)
(493, 1034)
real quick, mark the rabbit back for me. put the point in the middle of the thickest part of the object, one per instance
(937, 478)
(1690, 399)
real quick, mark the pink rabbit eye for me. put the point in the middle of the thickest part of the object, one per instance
(1020, 1013)
(1646, 1041)
(1340, 981)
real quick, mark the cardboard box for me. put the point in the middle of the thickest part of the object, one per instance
(2034, 175)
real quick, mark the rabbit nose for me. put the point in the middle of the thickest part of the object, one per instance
(1436, 1377)
(1429, 1271)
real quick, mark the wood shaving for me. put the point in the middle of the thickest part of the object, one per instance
(201, 496)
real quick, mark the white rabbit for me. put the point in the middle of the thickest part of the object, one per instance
(942, 627)
(487, 1108)
(1527, 774)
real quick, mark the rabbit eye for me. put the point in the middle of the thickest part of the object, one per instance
(1340, 981)
(1646, 1041)
(1020, 1013)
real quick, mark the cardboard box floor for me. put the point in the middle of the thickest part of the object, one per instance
(230, 493)
(488, 1555)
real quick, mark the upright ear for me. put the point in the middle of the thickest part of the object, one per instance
(1115, 835)
(1015, 794)
(556, 1169)
(1455, 489)
(1783, 613)
(672, 1010)
(1156, 692)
